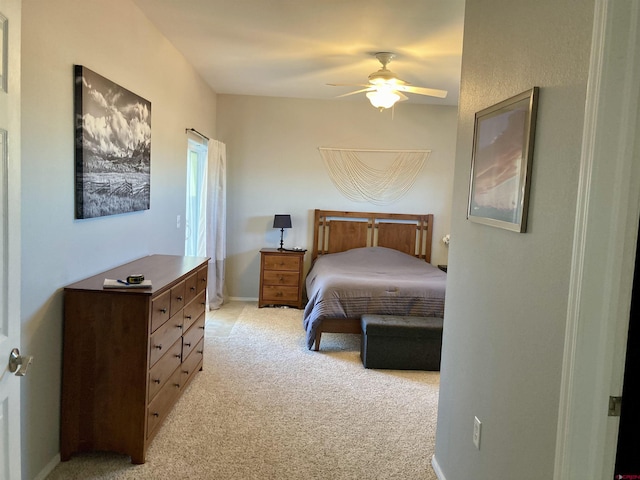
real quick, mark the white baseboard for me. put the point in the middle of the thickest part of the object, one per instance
(437, 469)
(44, 473)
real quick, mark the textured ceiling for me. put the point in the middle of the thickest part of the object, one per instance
(294, 48)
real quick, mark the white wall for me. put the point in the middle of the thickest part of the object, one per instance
(506, 308)
(115, 40)
(274, 167)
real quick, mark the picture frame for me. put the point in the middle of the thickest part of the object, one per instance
(503, 141)
(112, 147)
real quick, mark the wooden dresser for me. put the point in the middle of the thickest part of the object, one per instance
(281, 277)
(128, 354)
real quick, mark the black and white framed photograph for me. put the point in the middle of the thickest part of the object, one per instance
(112, 147)
(501, 162)
(4, 52)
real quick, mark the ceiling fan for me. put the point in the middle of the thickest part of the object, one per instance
(385, 88)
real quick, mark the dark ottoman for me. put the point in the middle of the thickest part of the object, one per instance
(401, 343)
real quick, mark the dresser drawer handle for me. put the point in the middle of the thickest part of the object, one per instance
(179, 298)
(201, 327)
(159, 347)
(186, 372)
(193, 289)
(188, 316)
(187, 344)
(200, 352)
(279, 294)
(163, 310)
(177, 355)
(179, 326)
(177, 385)
(157, 380)
(155, 414)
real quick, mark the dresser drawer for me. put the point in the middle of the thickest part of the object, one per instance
(191, 288)
(193, 363)
(278, 293)
(282, 262)
(192, 336)
(164, 367)
(177, 298)
(274, 277)
(193, 310)
(202, 278)
(160, 307)
(164, 337)
(161, 405)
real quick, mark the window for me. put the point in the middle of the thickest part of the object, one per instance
(195, 218)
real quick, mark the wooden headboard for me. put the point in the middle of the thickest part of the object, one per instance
(336, 231)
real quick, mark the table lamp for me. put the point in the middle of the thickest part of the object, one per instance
(281, 222)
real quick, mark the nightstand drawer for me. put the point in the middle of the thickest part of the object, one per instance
(278, 294)
(273, 277)
(282, 262)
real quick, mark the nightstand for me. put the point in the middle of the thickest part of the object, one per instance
(281, 277)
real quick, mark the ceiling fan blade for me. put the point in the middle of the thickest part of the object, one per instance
(403, 97)
(432, 92)
(349, 84)
(357, 91)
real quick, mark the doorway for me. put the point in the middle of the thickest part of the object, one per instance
(10, 326)
(627, 458)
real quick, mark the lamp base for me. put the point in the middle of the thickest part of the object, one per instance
(281, 242)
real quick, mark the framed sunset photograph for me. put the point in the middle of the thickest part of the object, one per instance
(501, 161)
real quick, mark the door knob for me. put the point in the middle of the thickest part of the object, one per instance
(19, 363)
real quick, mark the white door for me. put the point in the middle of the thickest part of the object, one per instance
(9, 236)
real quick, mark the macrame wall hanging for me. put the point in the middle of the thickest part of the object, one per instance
(363, 182)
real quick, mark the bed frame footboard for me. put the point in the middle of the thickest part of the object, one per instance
(337, 325)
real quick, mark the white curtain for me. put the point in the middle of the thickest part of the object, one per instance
(216, 221)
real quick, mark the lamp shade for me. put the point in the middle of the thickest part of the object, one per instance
(282, 221)
(383, 98)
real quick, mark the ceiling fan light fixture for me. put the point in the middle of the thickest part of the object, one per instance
(385, 88)
(383, 98)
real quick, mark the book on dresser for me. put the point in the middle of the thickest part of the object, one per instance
(129, 353)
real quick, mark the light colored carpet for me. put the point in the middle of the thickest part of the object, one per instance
(265, 407)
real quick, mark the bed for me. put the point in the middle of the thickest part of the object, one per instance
(370, 263)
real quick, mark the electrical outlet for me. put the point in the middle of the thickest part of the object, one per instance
(178, 222)
(477, 430)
